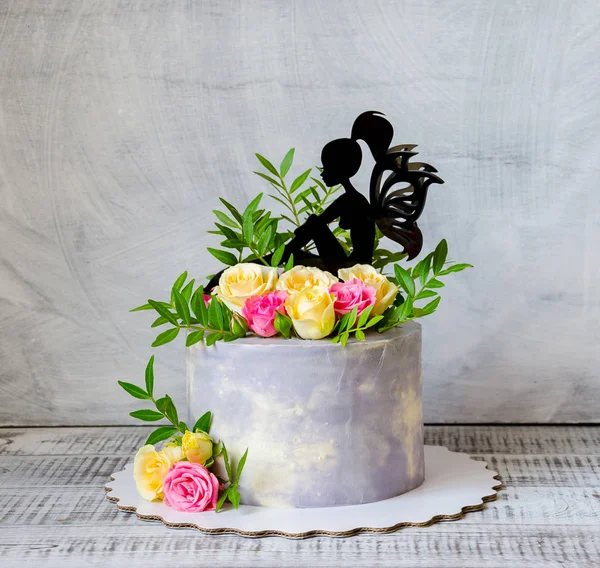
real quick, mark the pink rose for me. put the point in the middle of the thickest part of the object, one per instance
(259, 312)
(207, 299)
(352, 294)
(190, 487)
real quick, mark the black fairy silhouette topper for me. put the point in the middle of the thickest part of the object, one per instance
(396, 200)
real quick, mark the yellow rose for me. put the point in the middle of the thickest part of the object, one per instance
(312, 312)
(301, 277)
(385, 291)
(197, 446)
(242, 281)
(150, 468)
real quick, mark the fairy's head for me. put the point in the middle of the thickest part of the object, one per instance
(341, 158)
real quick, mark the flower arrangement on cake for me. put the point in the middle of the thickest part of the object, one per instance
(288, 276)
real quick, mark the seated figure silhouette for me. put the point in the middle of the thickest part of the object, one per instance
(394, 210)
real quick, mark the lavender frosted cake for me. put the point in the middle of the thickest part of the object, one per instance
(327, 426)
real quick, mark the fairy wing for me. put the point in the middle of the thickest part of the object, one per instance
(398, 193)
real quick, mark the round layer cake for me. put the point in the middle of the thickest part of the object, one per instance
(325, 425)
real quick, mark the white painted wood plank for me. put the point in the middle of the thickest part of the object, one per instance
(547, 515)
(122, 122)
(448, 544)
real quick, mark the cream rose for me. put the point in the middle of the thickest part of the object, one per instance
(301, 277)
(197, 446)
(312, 312)
(243, 281)
(385, 291)
(150, 468)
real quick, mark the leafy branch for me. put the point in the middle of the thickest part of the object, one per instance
(231, 492)
(165, 408)
(344, 327)
(188, 310)
(298, 201)
(427, 273)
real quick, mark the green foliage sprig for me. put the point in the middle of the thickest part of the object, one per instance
(165, 409)
(422, 282)
(231, 492)
(352, 323)
(187, 310)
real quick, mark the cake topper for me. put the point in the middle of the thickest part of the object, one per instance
(395, 203)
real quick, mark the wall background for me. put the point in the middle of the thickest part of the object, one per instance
(121, 122)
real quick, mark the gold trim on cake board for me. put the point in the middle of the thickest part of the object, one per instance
(258, 534)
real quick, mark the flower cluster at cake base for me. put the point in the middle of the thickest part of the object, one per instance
(183, 473)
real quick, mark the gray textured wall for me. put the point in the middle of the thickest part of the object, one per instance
(122, 121)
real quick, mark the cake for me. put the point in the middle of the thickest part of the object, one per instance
(332, 426)
(304, 359)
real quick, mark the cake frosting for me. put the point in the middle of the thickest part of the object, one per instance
(326, 425)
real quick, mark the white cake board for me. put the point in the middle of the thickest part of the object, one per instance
(454, 485)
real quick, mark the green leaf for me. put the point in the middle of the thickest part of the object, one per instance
(360, 335)
(277, 256)
(439, 256)
(289, 264)
(166, 337)
(239, 325)
(286, 163)
(234, 497)
(162, 403)
(425, 294)
(199, 306)
(215, 314)
(283, 324)
(454, 268)
(187, 291)
(159, 321)
(240, 466)
(269, 179)
(182, 307)
(183, 427)
(248, 223)
(267, 165)
(203, 423)
(146, 415)
(227, 464)
(352, 317)
(264, 240)
(150, 376)
(134, 390)
(433, 283)
(194, 337)
(223, 256)
(344, 338)
(160, 434)
(236, 214)
(178, 284)
(141, 308)
(222, 499)
(171, 412)
(423, 269)
(406, 309)
(225, 219)
(299, 180)
(336, 339)
(212, 338)
(364, 316)
(431, 307)
(373, 321)
(164, 312)
(404, 279)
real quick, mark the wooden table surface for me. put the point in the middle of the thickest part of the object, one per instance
(53, 510)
